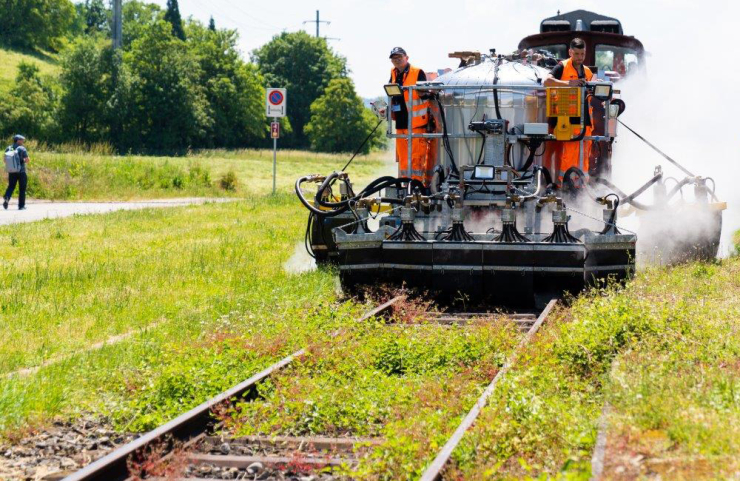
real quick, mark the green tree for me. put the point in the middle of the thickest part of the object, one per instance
(86, 85)
(340, 121)
(212, 24)
(35, 24)
(304, 65)
(96, 16)
(234, 89)
(172, 15)
(138, 18)
(29, 106)
(171, 108)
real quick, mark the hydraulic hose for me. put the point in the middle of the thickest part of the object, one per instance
(495, 90)
(336, 208)
(445, 136)
(624, 196)
(613, 217)
(310, 207)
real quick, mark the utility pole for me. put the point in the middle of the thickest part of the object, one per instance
(317, 22)
(117, 24)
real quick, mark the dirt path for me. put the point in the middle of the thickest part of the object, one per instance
(38, 210)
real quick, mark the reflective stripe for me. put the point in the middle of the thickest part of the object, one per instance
(418, 102)
(418, 113)
(422, 173)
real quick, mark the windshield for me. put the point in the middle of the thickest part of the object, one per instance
(622, 60)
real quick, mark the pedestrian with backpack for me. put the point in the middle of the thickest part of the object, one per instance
(16, 158)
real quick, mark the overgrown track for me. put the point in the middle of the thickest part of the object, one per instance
(190, 428)
(436, 468)
(187, 440)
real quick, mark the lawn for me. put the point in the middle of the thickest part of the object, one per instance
(71, 173)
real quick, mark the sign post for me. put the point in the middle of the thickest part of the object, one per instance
(275, 103)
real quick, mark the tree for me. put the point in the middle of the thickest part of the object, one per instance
(340, 121)
(171, 108)
(172, 15)
(212, 24)
(96, 16)
(234, 89)
(86, 83)
(138, 18)
(304, 65)
(35, 24)
(29, 105)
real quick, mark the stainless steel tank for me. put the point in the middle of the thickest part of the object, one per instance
(463, 105)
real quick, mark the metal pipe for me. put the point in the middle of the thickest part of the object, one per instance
(409, 132)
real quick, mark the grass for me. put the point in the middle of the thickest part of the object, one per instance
(10, 59)
(664, 352)
(207, 282)
(74, 173)
(69, 283)
(408, 385)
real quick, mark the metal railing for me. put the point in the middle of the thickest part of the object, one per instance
(410, 135)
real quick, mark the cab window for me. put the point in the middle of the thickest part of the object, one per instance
(558, 51)
(622, 60)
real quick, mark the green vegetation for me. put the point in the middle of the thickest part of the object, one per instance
(36, 24)
(10, 60)
(189, 274)
(74, 173)
(663, 352)
(410, 385)
(173, 86)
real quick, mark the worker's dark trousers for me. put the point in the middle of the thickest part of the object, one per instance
(21, 179)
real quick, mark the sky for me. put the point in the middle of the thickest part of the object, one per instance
(368, 29)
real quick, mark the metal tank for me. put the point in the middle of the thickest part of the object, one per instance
(465, 104)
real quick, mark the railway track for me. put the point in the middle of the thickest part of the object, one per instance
(188, 440)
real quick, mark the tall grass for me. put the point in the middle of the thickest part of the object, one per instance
(81, 172)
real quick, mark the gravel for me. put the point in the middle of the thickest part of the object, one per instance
(58, 450)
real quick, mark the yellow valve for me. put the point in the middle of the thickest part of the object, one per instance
(564, 103)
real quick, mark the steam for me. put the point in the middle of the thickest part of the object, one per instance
(688, 106)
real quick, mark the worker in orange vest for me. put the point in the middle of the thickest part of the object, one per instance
(572, 73)
(404, 74)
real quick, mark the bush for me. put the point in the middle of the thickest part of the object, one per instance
(228, 181)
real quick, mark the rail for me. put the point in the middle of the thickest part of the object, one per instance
(189, 427)
(434, 470)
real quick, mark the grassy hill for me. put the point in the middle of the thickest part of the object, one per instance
(10, 59)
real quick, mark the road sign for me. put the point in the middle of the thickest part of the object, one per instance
(275, 102)
(275, 130)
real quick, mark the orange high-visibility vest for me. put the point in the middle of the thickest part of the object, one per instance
(419, 115)
(570, 72)
(570, 151)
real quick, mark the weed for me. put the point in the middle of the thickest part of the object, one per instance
(228, 181)
(166, 460)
